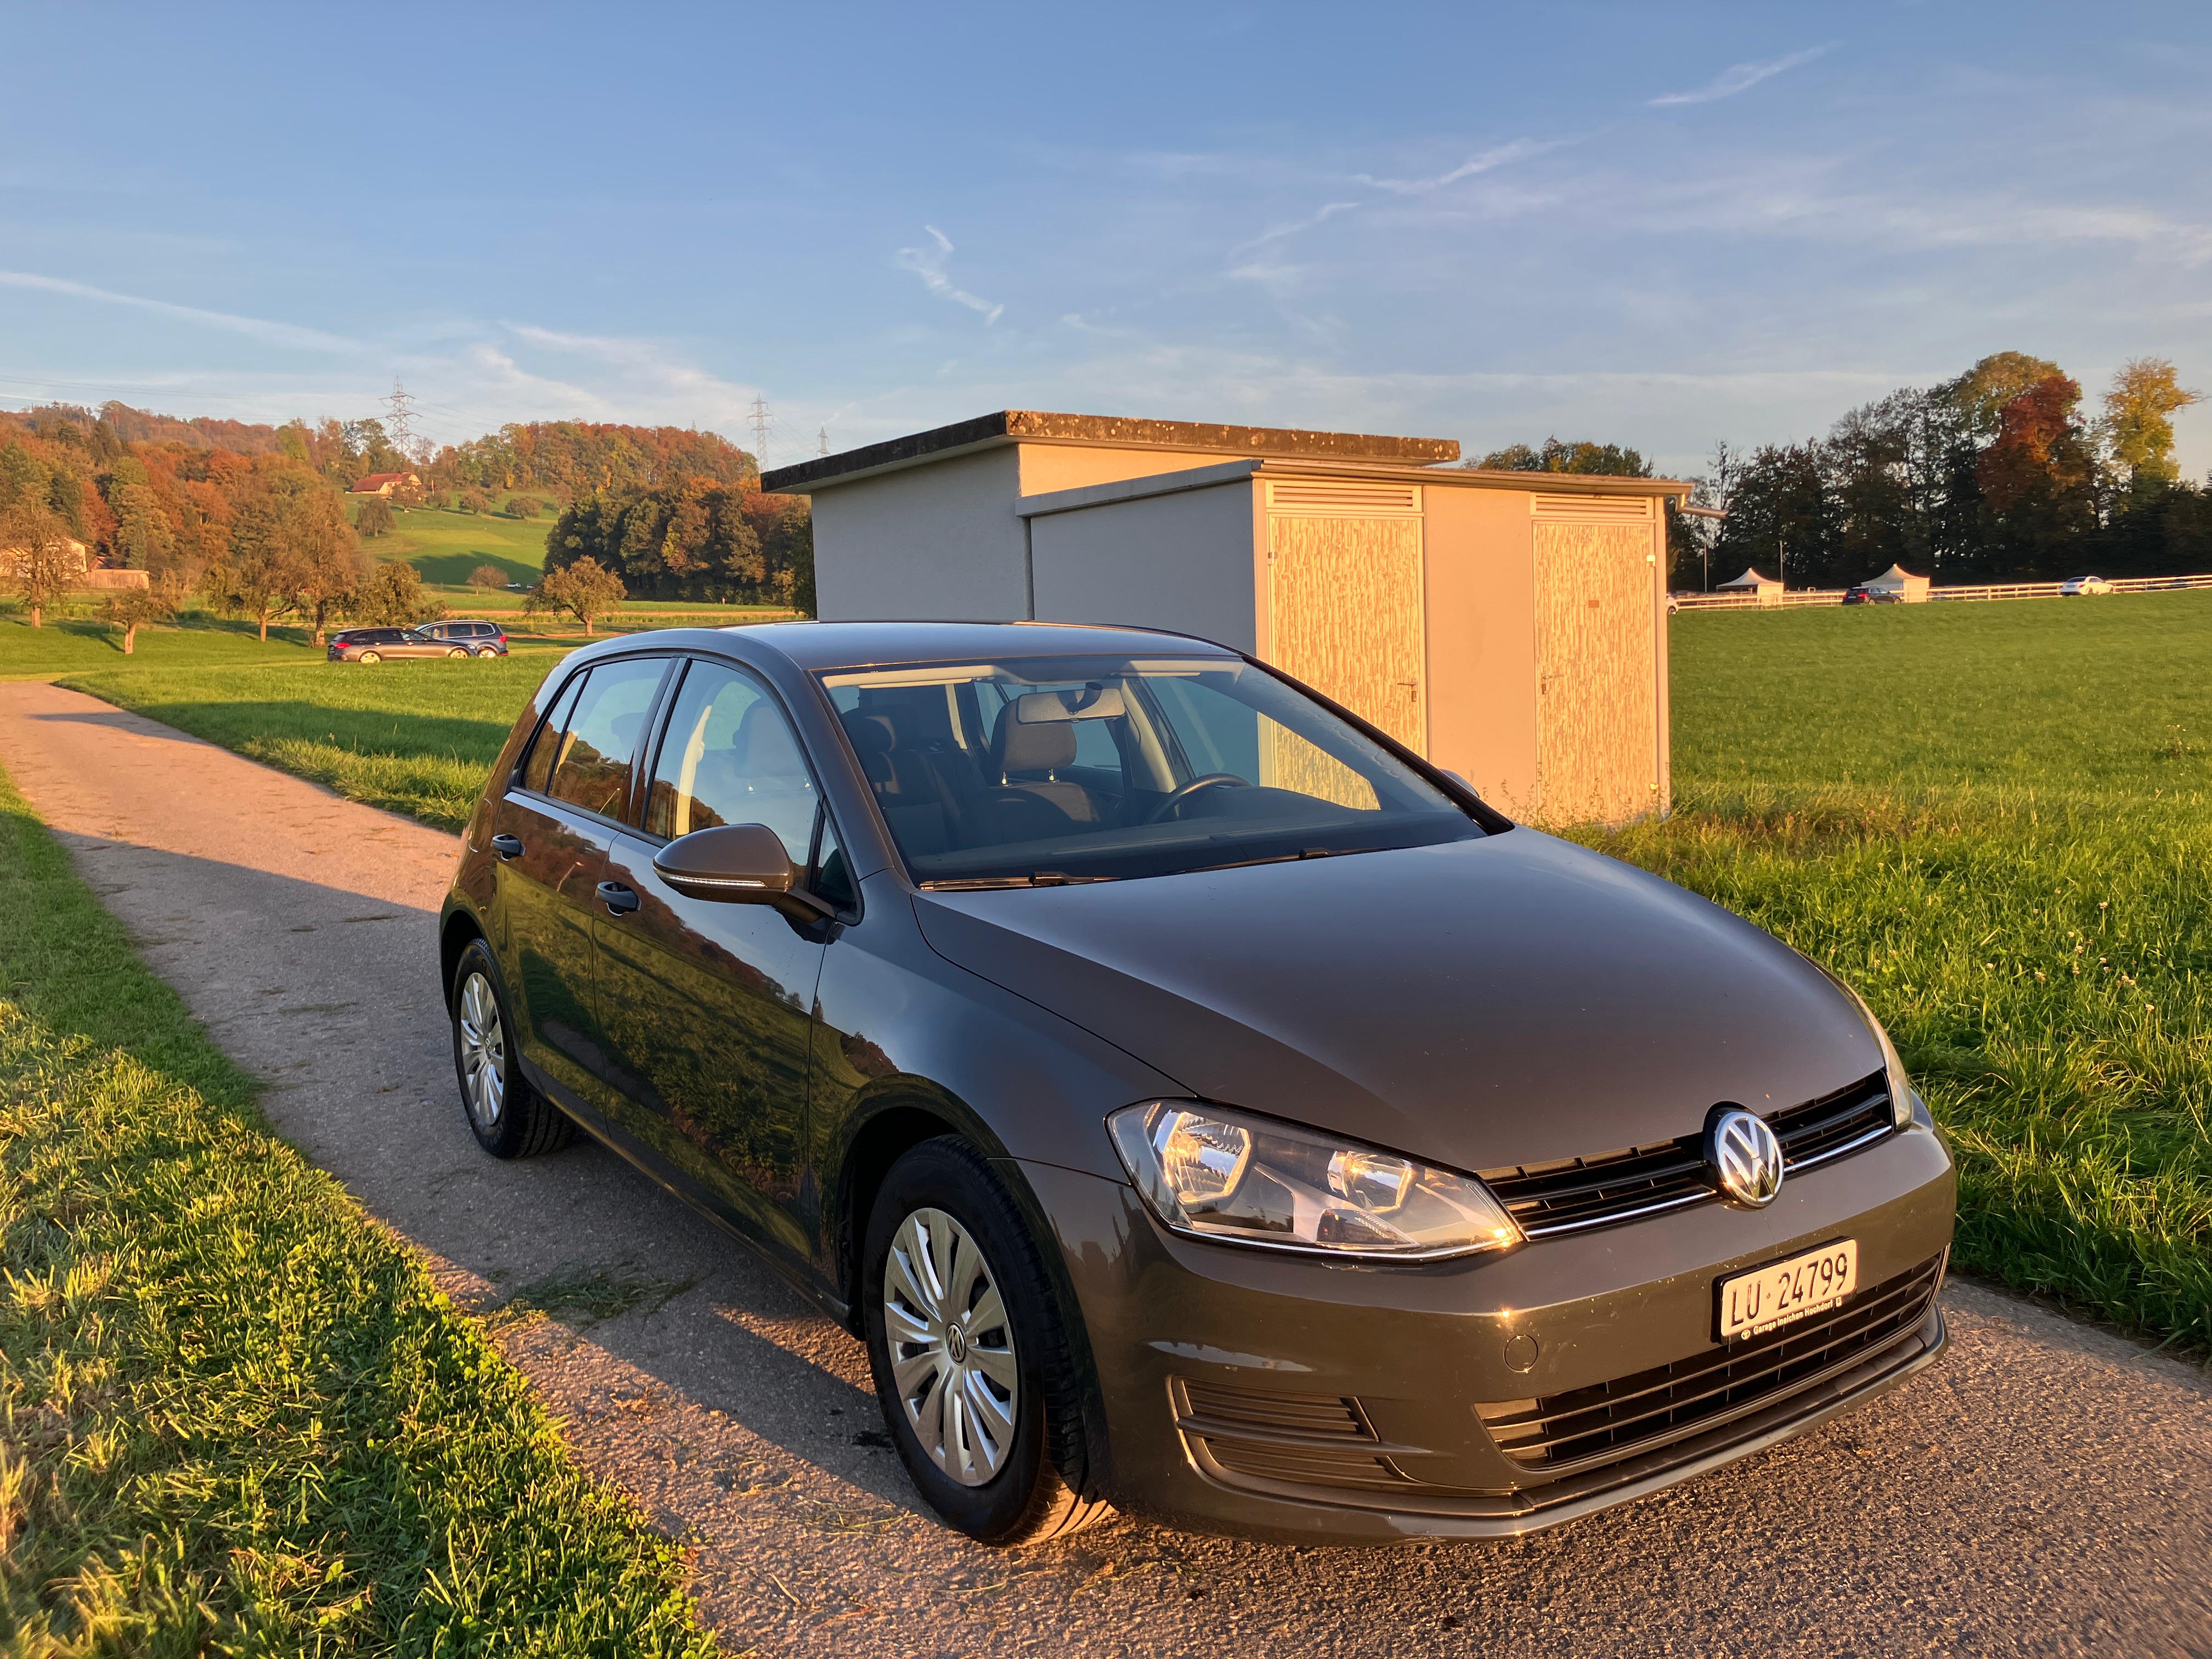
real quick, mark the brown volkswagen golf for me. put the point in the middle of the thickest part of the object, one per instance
(1198, 1103)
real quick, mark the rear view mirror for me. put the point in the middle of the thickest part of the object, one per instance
(736, 863)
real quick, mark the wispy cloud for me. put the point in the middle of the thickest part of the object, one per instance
(1327, 211)
(928, 264)
(1740, 77)
(1484, 161)
(290, 335)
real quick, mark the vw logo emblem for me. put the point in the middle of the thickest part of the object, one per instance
(1745, 1156)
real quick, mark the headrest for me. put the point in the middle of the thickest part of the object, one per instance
(871, 734)
(1017, 747)
(764, 745)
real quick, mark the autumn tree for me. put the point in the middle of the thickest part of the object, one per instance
(327, 555)
(37, 557)
(487, 575)
(133, 608)
(523, 507)
(261, 574)
(587, 590)
(1584, 456)
(392, 596)
(1984, 391)
(375, 519)
(2138, 424)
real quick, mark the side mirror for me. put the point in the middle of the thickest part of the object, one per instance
(736, 863)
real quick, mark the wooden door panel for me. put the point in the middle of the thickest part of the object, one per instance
(1597, 718)
(1345, 608)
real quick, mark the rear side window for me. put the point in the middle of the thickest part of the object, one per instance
(540, 769)
(603, 735)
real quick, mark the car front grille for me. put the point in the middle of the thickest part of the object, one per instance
(1616, 1420)
(1577, 1193)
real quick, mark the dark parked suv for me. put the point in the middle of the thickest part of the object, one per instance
(1198, 1103)
(440, 638)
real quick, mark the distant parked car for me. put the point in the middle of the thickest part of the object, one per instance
(2078, 586)
(445, 639)
(1857, 596)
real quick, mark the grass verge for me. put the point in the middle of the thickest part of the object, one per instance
(1996, 820)
(235, 1415)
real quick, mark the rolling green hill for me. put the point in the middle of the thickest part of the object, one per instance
(445, 547)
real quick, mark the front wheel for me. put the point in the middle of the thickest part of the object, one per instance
(457, 651)
(508, 1118)
(970, 1353)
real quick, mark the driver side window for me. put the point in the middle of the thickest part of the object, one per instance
(730, 757)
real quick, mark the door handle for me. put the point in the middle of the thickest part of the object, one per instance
(619, 899)
(508, 847)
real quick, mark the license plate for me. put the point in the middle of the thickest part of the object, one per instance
(1783, 1293)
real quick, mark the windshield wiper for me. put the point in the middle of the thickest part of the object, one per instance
(982, 884)
(1282, 858)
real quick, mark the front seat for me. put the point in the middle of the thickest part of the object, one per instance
(1021, 749)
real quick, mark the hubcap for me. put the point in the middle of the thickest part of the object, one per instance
(951, 1347)
(484, 1052)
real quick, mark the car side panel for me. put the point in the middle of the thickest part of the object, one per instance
(896, 1026)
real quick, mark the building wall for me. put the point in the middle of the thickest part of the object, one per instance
(1181, 561)
(1048, 467)
(1482, 642)
(929, 544)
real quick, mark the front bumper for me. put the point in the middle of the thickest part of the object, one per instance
(1275, 1396)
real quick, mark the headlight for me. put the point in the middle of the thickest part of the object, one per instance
(1222, 1174)
(1901, 1087)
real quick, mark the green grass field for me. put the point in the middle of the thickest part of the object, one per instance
(447, 547)
(1996, 820)
(1992, 818)
(235, 1415)
(77, 644)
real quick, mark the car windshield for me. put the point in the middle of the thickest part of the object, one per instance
(1039, 770)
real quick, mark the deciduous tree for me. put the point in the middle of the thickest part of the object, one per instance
(36, 557)
(374, 518)
(587, 590)
(329, 558)
(2138, 424)
(135, 607)
(392, 596)
(487, 575)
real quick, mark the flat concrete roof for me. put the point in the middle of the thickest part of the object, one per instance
(1031, 426)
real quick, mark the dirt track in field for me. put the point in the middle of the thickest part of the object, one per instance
(2046, 1488)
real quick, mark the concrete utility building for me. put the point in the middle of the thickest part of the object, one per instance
(1510, 626)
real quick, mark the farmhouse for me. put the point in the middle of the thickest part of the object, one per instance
(383, 483)
(1510, 626)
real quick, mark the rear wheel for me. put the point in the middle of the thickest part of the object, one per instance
(508, 1118)
(970, 1353)
(372, 656)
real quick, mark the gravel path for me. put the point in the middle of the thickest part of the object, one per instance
(2045, 1489)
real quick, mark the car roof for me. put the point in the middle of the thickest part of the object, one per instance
(817, 647)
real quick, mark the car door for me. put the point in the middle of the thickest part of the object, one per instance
(552, 831)
(708, 1007)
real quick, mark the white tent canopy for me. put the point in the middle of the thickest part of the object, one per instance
(1900, 581)
(1751, 581)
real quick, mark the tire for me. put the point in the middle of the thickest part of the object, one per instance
(457, 651)
(1039, 1487)
(508, 1118)
(371, 656)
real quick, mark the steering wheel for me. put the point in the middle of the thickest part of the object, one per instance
(1176, 797)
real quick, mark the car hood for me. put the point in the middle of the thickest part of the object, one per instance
(1483, 1004)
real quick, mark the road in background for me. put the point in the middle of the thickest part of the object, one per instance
(2043, 1488)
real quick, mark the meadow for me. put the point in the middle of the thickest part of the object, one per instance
(235, 1414)
(1992, 818)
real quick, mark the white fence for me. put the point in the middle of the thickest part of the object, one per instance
(1935, 595)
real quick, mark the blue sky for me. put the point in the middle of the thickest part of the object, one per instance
(1656, 224)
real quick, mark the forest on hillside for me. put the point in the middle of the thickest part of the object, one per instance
(253, 517)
